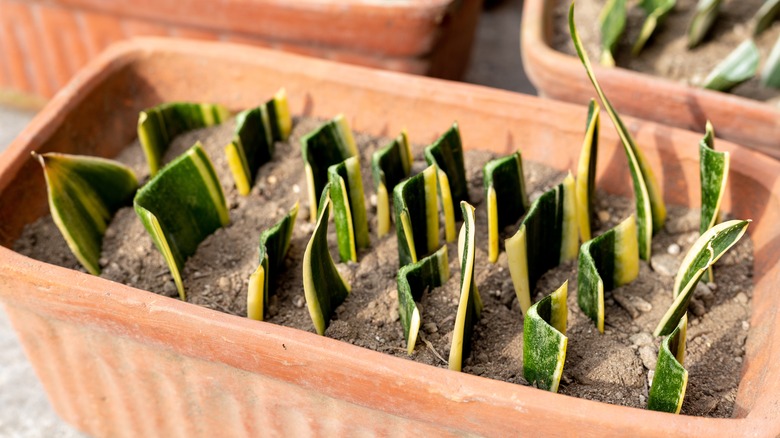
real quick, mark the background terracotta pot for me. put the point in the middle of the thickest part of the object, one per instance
(560, 76)
(44, 42)
(121, 361)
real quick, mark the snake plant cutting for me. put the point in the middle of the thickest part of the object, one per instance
(447, 154)
(349, 208)
(545, 341)
(416, 216)
(585, 184)
(612, 22)
(389, 166)
(671, 378)
(505, 196)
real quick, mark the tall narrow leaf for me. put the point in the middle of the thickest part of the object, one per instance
(447, 154)
(713, 174)
(470, 303)
(765, 15)
(770, 75)
(416, 216)
(606, 262)
(545, 341)
(323, 286)
(650, 208)
(346, 192)
(656, 11)
(612, 22)
(506, 197)
(389, 166)
(738, 67)
(671, 378)
(158, 126)
(706, 13)
(546, 237)
(84, 193)
(413, 280)
(585, 187)
(182, 205)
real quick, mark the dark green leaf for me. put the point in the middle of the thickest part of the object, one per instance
(506, 197)
(770, 75)
(389, 166)
(346, 192)
(656, 11)
(447, 154)
(738, 67)
(765, 15)
(671, 378)
(416, 216)
(545, 341)
(706, 13)
(585, 185)
(612, 21)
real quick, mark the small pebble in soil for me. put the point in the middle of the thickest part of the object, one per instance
(742, 298)
(745, 325)
(604, 216)
(430, 327)
(641, 339)
(641, 304)
(299, 301)
(664, 264)
(673, 249)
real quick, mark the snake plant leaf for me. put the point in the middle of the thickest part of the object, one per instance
(701, 23)
(159, 125)
(253, 140)
(389, 166)
(323, 286)
(547, 237)
(612, 22)
(765, 15)
(506, 197)
(274, 243)
(713, 173)
(470, 303)
(704, 253)
(545, 341)
(656, 11)
(416, 216)
(447, 154)
(329, 144)
(84, 193)
(585, 185)
(182, 205)
(606, 262)
(413, 280)
(650, 208)
(738, 67)
(671, 378)
(349, 207)
(770, 75)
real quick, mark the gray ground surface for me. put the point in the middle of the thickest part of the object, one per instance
(24, 408)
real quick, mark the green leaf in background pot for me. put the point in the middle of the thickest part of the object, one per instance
(349, 207)
(770, 75)
(656, 11)
(416, 216)
(470, 303)
(765, 15)
(545, 341)
(671, 378)
(713, 174)
(706, 13)
(546, 238)
(447, 154)
(413, 280)
(650, 208)
(389, 166)
(506, 197)
(612, 22)
(279, 116)
(182, 205)
(738, 67)
(84, 193)
(585, 185)
(323, 286)
(704, 253)
(321, 148)
(606, 262)
(274, 243)
(158, 126)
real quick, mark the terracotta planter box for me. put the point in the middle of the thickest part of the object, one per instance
(560, 76)
(121, 361)
(44, 42)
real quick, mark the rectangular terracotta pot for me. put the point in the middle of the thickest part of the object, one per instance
(562, 77)
(44, 42)
(121, 361)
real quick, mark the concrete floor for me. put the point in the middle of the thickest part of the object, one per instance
(24, 408)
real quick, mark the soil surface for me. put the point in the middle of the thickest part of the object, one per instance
(614, 367)
(666, 54)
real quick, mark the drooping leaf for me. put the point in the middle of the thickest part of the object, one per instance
(416, 216)
(327, 145)
(704, 253)
(738, 67)
(182, 205)
(506, 197)
(713, 174)
(770, 75)
(585, 186)
(656, 11)
(349, 207)
(545, 341)
(612, 22)
(84, 193)
(158, 126)
(671, 378)
(765, 15)
(274, 243)
(389, 166)
(413, 280)
(253, 141)
(701, 23)
(546, 238)
(447, 154)
(606, 262)
(650, 208)
(323, 286)
(470, 303)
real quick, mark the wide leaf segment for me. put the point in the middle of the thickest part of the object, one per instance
(585, 187)
(416, 216)
(656, 11)
(447, 154)
(612, 22)
(713, 173)
(346, 192)
(84, 193)
(671, 378)
(546, 238)
(706, 13)
(389, 166)
(770, 74)
(738, 67)
(181, 206)
(506, 197)
(766, 14)
(544, 340)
